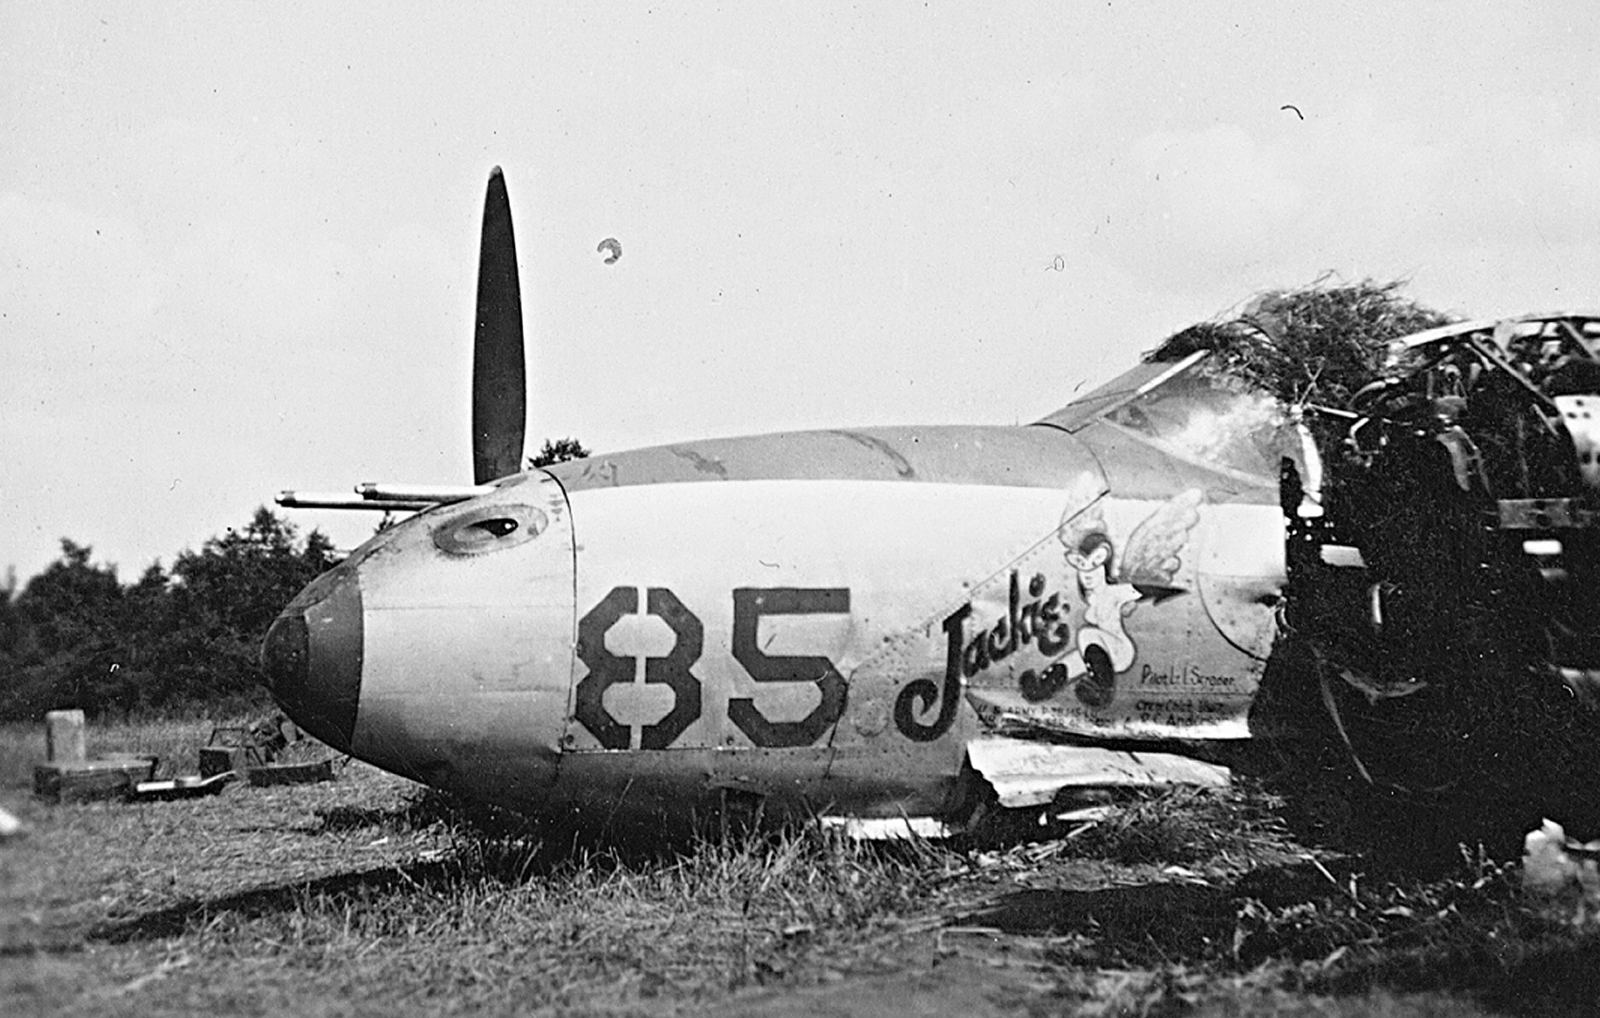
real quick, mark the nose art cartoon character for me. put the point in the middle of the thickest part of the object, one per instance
(1149, 566)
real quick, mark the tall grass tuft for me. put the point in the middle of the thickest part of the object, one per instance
(21, 746)
(523, 905)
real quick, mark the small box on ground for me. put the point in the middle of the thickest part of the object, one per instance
(290, 773)
(91, 780)
(216, 760)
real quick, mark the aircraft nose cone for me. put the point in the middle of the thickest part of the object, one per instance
(312, 657)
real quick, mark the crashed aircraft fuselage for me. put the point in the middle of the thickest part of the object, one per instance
(871, 623)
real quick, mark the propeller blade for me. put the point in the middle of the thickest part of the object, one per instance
(499, 374)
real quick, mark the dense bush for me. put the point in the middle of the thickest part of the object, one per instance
(75, 636)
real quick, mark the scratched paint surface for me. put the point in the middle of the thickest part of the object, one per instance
(990, 456)
(764, 614)
(839, 577)
(1104, 629)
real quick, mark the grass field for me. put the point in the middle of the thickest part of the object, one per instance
(371, 896)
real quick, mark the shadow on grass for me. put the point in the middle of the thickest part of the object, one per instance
(1189, 922)
(474, 861)
(1323, 932)
(484, 851)
(1140, 925)
(1556, 978)
(186, 917)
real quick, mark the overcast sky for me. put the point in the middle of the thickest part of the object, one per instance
(238, 241)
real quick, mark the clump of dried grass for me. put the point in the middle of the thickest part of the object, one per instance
(1321, 924)
(511, 916)
(1470, 930)
(1183, 826)
(21, 746)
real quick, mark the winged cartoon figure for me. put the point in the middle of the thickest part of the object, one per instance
(1150, 564)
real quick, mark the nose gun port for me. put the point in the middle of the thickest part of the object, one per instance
(312, 657)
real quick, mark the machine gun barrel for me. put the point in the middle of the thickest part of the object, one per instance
(344, 500)
(429, 494)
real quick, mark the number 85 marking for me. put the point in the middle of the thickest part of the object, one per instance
(750, 605)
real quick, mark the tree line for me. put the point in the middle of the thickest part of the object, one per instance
(174, 641)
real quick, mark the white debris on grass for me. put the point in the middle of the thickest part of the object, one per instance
(1563, 870)
(10, 826)
(887, 828)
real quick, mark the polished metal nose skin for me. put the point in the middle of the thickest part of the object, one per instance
(312, 657)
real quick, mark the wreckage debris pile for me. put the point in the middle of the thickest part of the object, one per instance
(1446, 651)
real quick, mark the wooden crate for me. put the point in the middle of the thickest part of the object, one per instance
(91, 780)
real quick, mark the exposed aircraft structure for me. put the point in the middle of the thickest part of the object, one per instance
(1444, 556)
(884, 623)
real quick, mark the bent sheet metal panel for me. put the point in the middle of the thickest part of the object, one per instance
(468, 657)
(1026, 773)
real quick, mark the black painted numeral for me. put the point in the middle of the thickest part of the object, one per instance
(673, 670)
(607, 669)
(750, 604)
